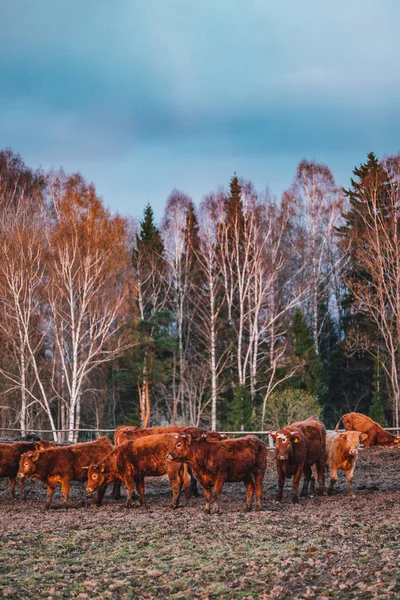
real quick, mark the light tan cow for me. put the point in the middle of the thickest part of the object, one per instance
(341, 455)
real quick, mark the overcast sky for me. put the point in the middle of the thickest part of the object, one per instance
(144, 96)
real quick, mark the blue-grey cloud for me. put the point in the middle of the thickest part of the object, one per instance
(124, 89)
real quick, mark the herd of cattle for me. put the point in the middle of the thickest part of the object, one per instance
(189, 455)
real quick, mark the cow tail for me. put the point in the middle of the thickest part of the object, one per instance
(338, 423)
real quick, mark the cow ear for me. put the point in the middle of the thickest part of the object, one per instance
(363, 436)
(102, 468)
(223, 436)
(342, 435)
(295, 439)
(35, 456)
(273, 434)
(176, 436)
(189, 439)
(36, 445)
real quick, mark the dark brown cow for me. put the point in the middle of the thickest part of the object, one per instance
(10, 455)
(375, 434)
(214, 463)
(62, 464)
(298, 447)
(132, 461)
(125, 433)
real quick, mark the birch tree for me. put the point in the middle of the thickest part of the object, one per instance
(22, 269)
(208, 294)
(319, 205)
(86, 288)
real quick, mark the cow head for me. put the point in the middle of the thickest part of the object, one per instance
(214, 436)
(284, 441)
(363, 437)
(97, 475)
(27, 464)
(181, 449)
(43, 445)
(351, 441)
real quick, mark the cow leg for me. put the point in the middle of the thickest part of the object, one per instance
(50, 492)
(130, 490)
(349, 477)
(307, 478)
(116, 490)
(333, 474)
(296, 483)
(281, 483)
(11, 483)
(65, 487)
(218, 485)
(100, 495)
(258, 483)
(249, 483)
(312, 486)
(176, 485)
(140, 489)
(22, 488)
(194, 490)
(207, 496)
(320, 464)
(186, 481)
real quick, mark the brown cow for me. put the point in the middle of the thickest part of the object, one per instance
(298, 447)
(125, 433)
(132, 461)
(375, 434)
(214, 463)
(341, 454)
(62, 464)
(10, 455)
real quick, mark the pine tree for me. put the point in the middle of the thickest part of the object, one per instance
(310, 376)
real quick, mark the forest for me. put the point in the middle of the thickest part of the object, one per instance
(244, 312)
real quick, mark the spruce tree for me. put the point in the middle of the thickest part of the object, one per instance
(240, 415)
(310, 375)
(370, 181)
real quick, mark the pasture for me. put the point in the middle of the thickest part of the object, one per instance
(325, 547)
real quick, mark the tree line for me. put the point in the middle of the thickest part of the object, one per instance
(243, 312)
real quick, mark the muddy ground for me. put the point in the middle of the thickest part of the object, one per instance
(330, 547)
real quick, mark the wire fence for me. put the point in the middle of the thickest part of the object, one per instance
(93, 433)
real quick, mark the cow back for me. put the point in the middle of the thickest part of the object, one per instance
(10, 455)
(125, 434)
(313, 440)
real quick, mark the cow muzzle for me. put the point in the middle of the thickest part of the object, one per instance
(21, 475)
(89, 489)
(282, 457)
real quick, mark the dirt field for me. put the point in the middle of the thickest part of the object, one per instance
(325, 547)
